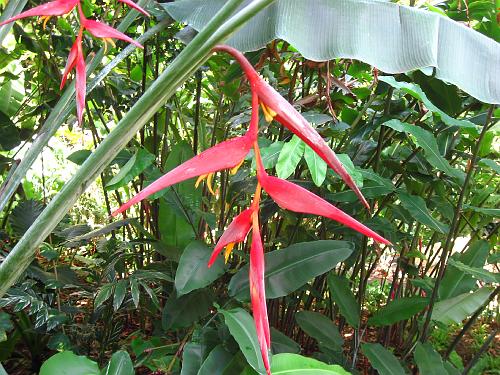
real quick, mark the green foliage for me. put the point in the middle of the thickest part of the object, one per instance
(136, 295)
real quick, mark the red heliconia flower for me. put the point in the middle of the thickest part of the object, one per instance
(101, 30)
(258, 292)
(133, 5)
(275, 106)
(236, 232)
(225, 155)
(295, 198)
(77, 60)
(52, 8)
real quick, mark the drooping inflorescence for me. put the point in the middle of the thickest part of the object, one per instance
(229, 155)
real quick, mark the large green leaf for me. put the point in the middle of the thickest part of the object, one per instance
(288, 269)
(418, 209)
(290, 156)
(427, 141)
(193, 272)
(457, 282)
(68, 363)
(119, 364)
(344, 298)
(294, 364)
(192, 358)
(218, 359)
(320, 328)
(242, 328)
(382, 359)
(456, 309)
(324, 30)
(429, 361)
(397, 310)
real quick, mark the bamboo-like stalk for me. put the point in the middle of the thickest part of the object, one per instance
(153, 99)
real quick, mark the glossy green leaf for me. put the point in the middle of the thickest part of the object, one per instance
(456, 309)
(182, 311)
(193, 272)
(290, 156)
(135, 166)
(288, 269)
(242, 328)
(323, 30)
(476, 272)
(293, 364)
(343, 296)
(494, 212)
(281, 343)
(457, 282)
(2, 370)
(397, 310)
(317, 166)
(68, 363)
(382, 359)
(120, 292)
(429, 361)
(320, 328)
(418, 209)
(192, 358)
(216, 362)
(9, 133)
(490, 164)
(427, 141)
(119, 364)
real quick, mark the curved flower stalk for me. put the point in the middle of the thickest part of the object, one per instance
(76, 59)
(276, 107)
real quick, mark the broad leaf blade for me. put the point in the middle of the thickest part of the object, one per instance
(382, 359)
(397, 310)
(292, 364)
(290, 156)
(324, 30)
(344, 298)
(242, 328)
(456, 309)
(193, 272)
(429, 361)
(288, 269)
(320, 328)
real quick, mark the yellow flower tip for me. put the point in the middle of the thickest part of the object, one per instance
(209, 183)
(227, 251)
(198, 181)
(235, 169)
(269, 114)
(45, 19)
(106, 41)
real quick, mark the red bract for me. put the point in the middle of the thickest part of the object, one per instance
(101, 30)
(258, 292)
(53, 8)
(275, 106)
(81, 79)
(228, 154)
(295, 198)
(134, 6)
(76, 59)
(236, 232)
